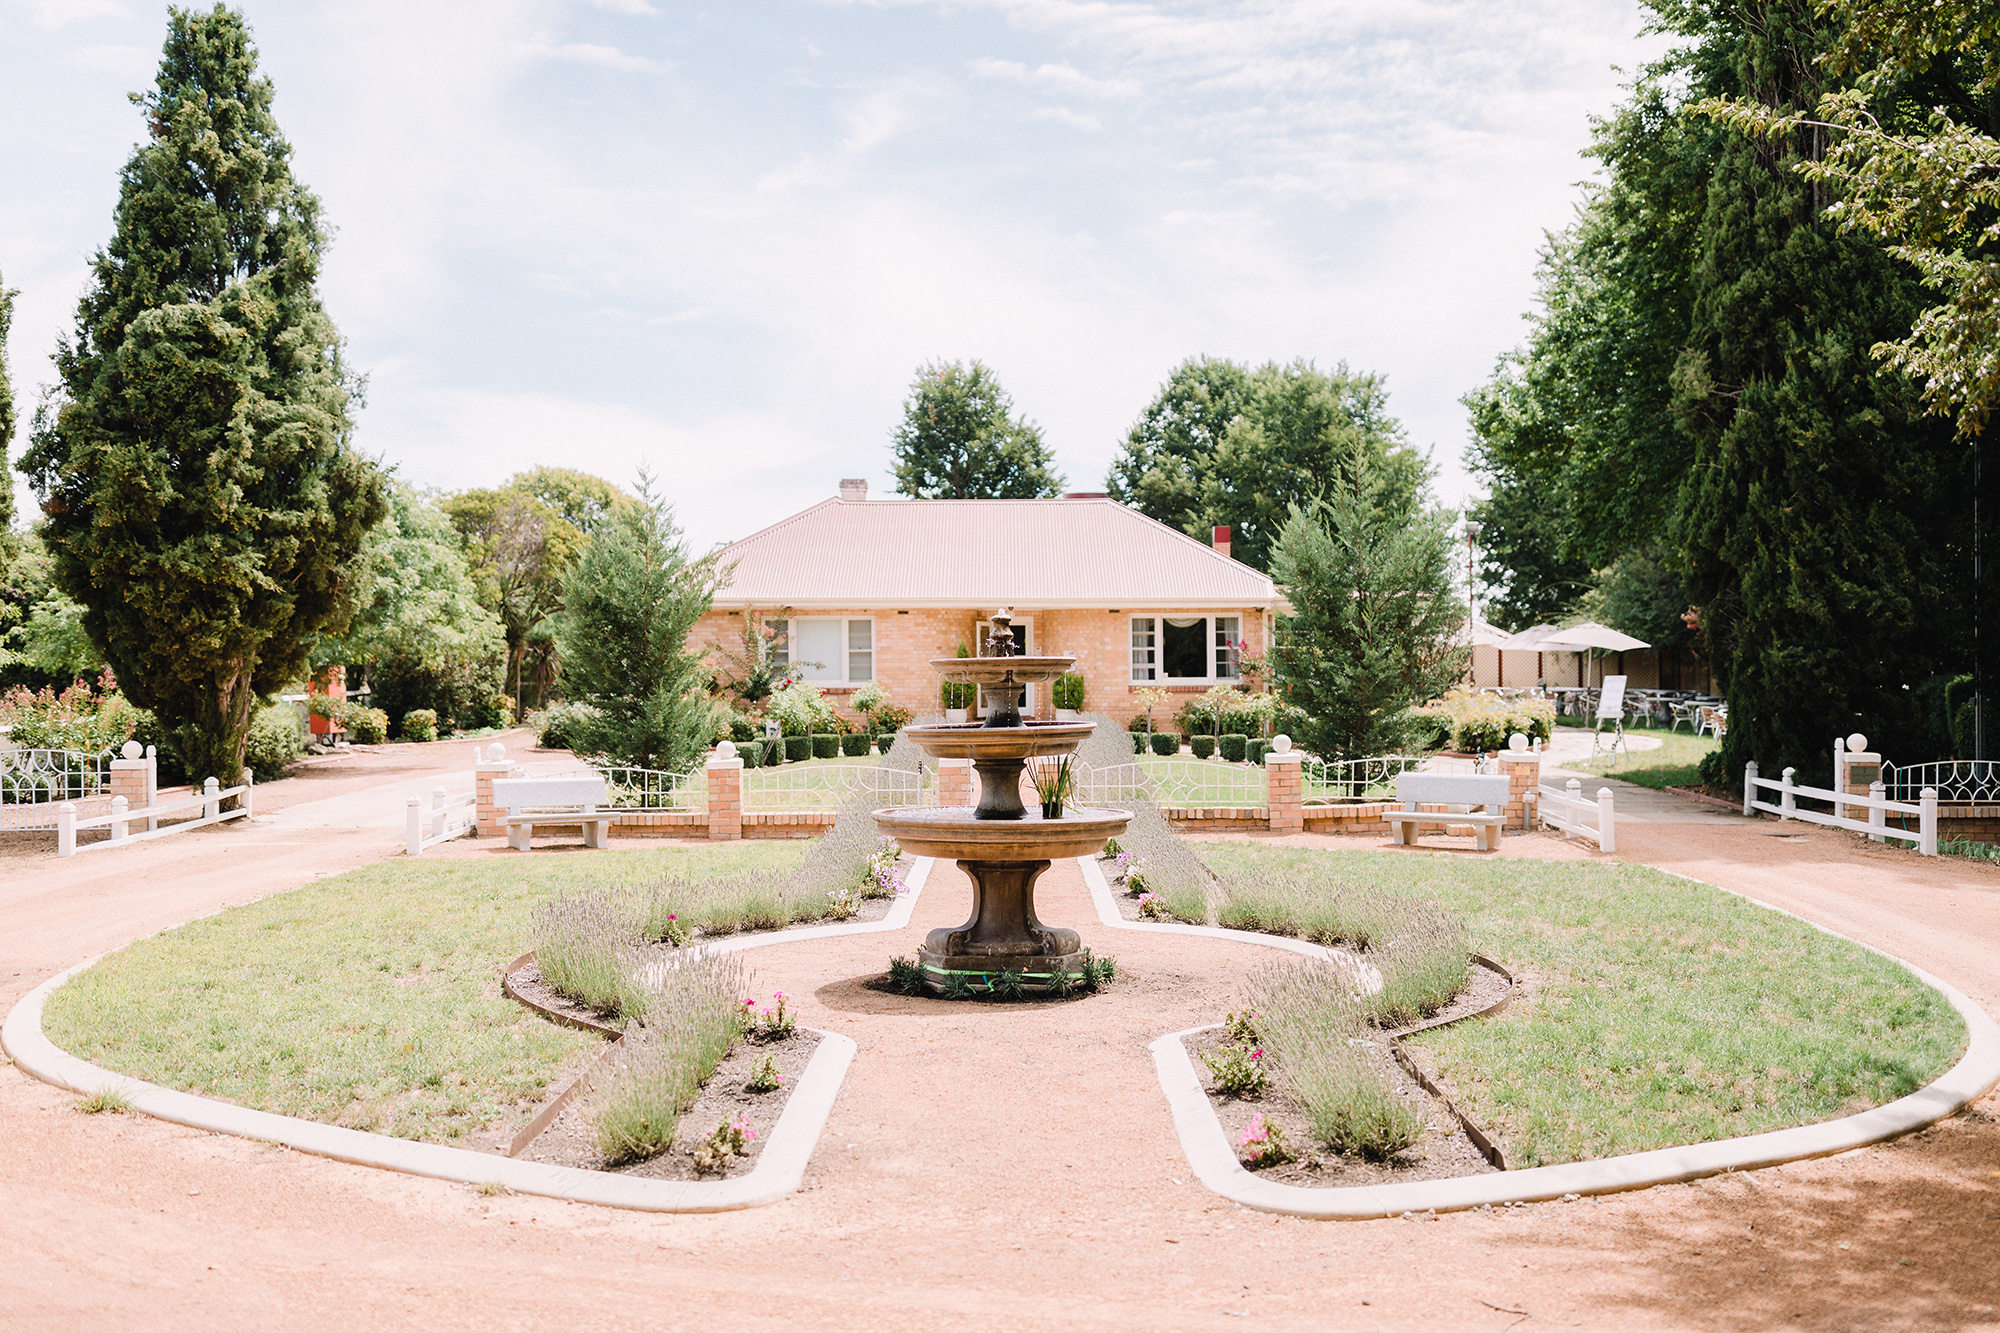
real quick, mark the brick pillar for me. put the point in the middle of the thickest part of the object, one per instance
(1524, 773)
(488, 764)
(725, 794)
(955, 782)
(1282, 790)
(136, 778)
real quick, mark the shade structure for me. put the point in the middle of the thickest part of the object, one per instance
(1590, 634)
(1484, 635)
(1530, 639)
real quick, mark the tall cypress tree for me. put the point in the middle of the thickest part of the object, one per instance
(1822, 522)
(204, 502)
(6, 429)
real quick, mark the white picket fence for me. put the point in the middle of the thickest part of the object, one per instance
(121, 819)
(1878, 806)
(447, 817)
(1575, 815)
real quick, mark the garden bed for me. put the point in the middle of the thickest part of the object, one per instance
(571, 1141)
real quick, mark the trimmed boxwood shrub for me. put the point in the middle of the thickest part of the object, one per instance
(421, 724)
(751, 753)
(1166, 743)
(774, 750)
(798, 749)
(825, 745)
(1254, 752)
(885, 742)
(1234, 746)
(1138, 742)
(1137, 724)
(1203, 746)
(854, 745)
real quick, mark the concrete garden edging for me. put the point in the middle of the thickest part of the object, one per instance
(779, 1171)
(1215, 1164)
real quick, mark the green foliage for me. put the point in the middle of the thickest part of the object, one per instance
(7, 420)
(1203, 746)
(276, 741)
(754, 672)
(1234, 747)
(79, 719)
(1313, 1029)
(959, 440)
(825, 746)
(1166, 744)
(801, 710)
(1375, 623)
(628, 605)
(203, 501)
(854, 744)
(798, 749)
(42, 637)
(1475, 723)
(689, 1026)
(1067, 692)
(905, 977)
(1224, 444)
(421, 724)
(1238, 1071)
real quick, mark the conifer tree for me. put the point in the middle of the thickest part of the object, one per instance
(6, 429)
(204, 502)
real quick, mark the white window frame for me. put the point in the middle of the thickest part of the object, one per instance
(1221, 661)
(782, 653)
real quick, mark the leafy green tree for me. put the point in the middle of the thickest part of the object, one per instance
(6, 428)
(1376, 618)
(1224, 444)
(204, 503)
(960, 440)
(628, 605)
(420, 633)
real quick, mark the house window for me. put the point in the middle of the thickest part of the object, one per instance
(829, 651)
(1185, 647)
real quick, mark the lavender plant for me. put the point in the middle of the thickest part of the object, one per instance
(585, 946)
(689, 1024)
(1313, 1031)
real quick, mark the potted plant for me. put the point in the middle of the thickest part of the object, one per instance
(1068, 695)
(958, 700)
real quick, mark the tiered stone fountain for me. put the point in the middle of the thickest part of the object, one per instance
(1000, 843)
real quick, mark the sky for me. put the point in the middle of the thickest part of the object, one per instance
(718, 240)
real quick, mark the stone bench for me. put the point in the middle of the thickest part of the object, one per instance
(1490, 791)
(557, 802)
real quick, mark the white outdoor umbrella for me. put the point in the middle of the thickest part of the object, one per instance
(1582, 638)
(1486, 636)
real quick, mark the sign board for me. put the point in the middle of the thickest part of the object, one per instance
(1611, 702)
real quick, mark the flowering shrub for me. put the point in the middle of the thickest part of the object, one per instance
(729, 1140)
(1264, 1142)
(79, 719)
(802, 711)
(842, 903)
(1243, 1027)
(768, 1023)
(420, 724)
(1154, 908)
(767, 1078)
(1475, 723)
(1238, 1071)
(881, 879)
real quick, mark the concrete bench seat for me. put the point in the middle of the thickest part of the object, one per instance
(554, 803)
(1490, 791)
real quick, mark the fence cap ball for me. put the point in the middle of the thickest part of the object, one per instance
(1281, 744)
(133, 750)
(496, 752)
(1857, 742)
(725, 750)
(1517, 742)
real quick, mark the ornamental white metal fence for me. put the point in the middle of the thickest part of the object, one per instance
(1569, 810)
(828, 786)
(120, 819)
(35, 784)
(447, 817)
(1371, 779)
(1956, 781)
(1876, 803)
(654, 789)
(1183, 783)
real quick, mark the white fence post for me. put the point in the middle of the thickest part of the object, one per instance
(437, 813)
(152, 785)
(119, 805)
(249, 785)
(1607, 837)
(211, 804)
(1749, 788)
(413, 827)
(1839, 776)
(1877, 816)
(66, 829)
(1927, 822)
(1786, 801)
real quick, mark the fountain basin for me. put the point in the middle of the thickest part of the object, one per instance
(955, 833)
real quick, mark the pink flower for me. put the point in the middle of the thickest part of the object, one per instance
(779, 995)
(1254, 1132)
(1257, 1054)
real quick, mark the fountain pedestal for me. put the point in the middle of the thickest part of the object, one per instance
(1002, 845)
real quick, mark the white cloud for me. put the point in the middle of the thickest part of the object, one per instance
(1063, 115)
(604, 57)
(630, 8)
(52, 15)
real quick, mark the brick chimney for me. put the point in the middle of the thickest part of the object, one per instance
(854, 488)
(1221, 538)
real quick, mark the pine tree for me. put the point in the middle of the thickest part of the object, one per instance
(628, 605)
(960, 440)
(1822, 522)
(204, 503)
(1375, 623)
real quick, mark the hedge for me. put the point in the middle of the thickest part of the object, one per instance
(1166, 743)
(854, 744)
(1233, 745)
(798, 749)
(1203, 746)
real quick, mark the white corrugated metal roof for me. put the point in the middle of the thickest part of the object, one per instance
(1043, 554)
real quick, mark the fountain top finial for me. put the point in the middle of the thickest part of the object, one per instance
(1001, 642)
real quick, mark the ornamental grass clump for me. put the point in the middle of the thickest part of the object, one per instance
(586, 946)
(690, 1022)
(1313, 1027)
(1425, 961)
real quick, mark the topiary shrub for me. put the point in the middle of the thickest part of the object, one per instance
(1254, 750)
(1067, 691)
(825, 745)
(1234, 747)
(1203, 746)
(1166, 743)
(798, 749)
(854, 745)
(367, 726)
(885, 742)
(421, 724)
(275, 741)
(751, 753)
(1138, 742)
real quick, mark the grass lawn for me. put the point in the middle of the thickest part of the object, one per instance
(1674, 764)
(1660, 1011)
(370, 1000)
(1188, 781)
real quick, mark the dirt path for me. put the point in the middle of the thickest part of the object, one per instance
(984, 1166)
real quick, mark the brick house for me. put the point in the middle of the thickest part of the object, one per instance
(872, 590)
